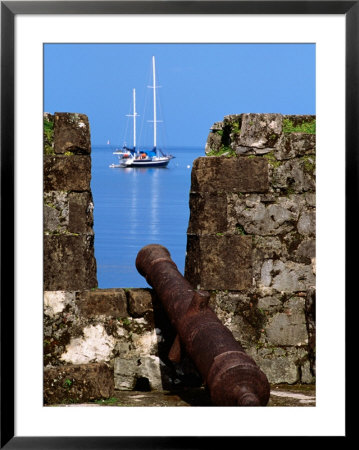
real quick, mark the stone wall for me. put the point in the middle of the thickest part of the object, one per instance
(251, 237)
(69, 261)
(126, 329)
(95, 340)
(250, 243)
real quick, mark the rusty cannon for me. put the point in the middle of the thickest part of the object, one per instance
(231, 376)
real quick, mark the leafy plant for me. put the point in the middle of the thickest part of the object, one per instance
(305, 127)
(67, 383)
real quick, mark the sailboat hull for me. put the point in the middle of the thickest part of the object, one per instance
(161, 162)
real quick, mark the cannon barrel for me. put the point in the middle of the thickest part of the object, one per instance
(232, 377)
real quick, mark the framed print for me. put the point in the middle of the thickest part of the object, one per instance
(53, 49)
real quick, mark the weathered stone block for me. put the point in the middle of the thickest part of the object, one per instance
(260, 130)
(214, 142)
(291, 145)
(71, 133)
(305, 252)
(220, 174)
(140, 301)
(265, 218)
(108, 302)
(287, 328)
(56, 211)
(56, 301)
(125, 374)
(77, 383)
(69, 262)
(295, 176)
(68, 212)
(208, 213)
(94, 345)
(146, 370)
(286, 276)
(67, 173)
(219, 262)
(81, 212)
(306, 223)
(279, 366)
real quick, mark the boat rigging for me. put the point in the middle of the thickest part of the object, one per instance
(133, 157)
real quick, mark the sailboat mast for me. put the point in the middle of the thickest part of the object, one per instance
(134, 115)
(134, 118)
(154, 103)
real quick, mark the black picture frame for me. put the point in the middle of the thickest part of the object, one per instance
(9, 9)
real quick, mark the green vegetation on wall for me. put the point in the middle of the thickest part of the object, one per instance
(48, 137)
(224, 150)
(305, 127)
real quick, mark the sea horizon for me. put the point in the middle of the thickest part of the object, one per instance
(134, 207)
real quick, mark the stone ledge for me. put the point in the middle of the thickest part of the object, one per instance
(220, 174)
(219, 262)
(78, 383)
(108, 302)
(67, 173)
(69, 262)
(208, 213)
(71, 133)
(68, 212)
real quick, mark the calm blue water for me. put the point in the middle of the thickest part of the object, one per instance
(137, 207)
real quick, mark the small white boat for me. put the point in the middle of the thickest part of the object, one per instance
(133, 157)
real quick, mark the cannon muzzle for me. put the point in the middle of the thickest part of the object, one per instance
(232, 377)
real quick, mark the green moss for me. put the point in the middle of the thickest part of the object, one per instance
(224, 149)
(236, 129)
(309, 163)
(48, 132)
(272, 159)
(124, 321)
(49, 129)
(50, 205)
(289, 191)
(305, 127)
(48, 150)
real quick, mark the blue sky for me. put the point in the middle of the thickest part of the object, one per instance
(200, 84)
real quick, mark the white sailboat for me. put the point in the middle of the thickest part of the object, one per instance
(132, 157)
